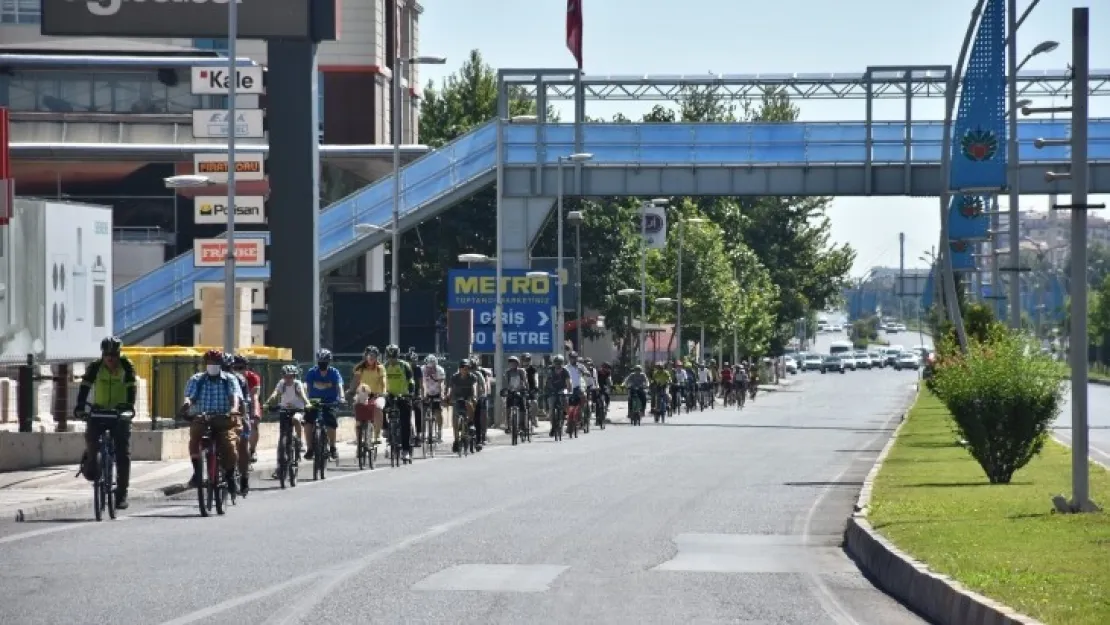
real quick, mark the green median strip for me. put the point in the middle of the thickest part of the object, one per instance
(932, 500)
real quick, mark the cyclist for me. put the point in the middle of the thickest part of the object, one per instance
(112, 378)
(531, 374)
(742, 381)
(678, 385)
(462, 391)
(726, 380)
(660, 382)
(241, 366)
(636, 383)
(577, 381)
(399, 387)
(433, 376)
(216, 392)
(325, 384)
(290, 394)
(247, 409)
(418, 383)
(481, 393)
(589, 375)
(605, 381)
(558, 380)
(705, 381)
(514, 386)
(369, 378)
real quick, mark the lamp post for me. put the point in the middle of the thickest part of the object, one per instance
(232, 132)
(643, 269)
(399, 63)
(681, 241)
(670, 300)
(575, 218)
(554, 315)
(560, 320)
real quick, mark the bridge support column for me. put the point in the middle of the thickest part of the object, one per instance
(294, 197)
(524, 218)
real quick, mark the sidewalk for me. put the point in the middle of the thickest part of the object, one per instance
(54, 491)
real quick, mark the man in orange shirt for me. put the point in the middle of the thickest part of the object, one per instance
(368, 384)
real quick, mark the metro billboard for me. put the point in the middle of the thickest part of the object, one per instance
(258, 19)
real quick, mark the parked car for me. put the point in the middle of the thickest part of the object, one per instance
(832, 363)
(907, 360)
(863, 361)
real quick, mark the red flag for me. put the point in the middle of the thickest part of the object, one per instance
(574, 29)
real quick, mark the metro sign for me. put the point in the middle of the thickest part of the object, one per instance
(213, 252)
(217, 81)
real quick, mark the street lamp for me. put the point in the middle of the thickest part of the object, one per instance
(579, 157)
(395, 227)
(681, 241)
(197, 181)
(643, 268)
(575, 218)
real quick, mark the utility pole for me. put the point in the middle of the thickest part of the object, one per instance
(901, 292)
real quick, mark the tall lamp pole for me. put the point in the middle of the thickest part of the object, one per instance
(575, 218)
(399, 63)
(560, 316)
(643, 272)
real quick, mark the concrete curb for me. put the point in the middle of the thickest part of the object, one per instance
(938, 598)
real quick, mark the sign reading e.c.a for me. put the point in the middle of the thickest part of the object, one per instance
(258, 19)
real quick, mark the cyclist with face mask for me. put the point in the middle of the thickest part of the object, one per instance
(213, 391)
(325, 384)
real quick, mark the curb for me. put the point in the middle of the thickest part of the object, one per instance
(937, 597)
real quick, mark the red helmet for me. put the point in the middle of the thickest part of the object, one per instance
(214, 356)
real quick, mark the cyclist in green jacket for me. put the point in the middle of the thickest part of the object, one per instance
(112, 380)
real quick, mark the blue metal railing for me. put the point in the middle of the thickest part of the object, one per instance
(466, 159)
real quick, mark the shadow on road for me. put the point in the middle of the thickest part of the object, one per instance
(779, 427)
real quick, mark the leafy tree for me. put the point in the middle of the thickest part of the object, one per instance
(1098, 264)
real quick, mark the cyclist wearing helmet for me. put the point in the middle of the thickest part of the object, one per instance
(112, 378)
(369, 384)
(241, 366)
(418, 384)
(246, 408)
(399, 387)
(215, 392)
(636, 383)
(290, 393)
(462, 391)
(605, 381)
(515, 385)
(325, 384)
(531, 374)
(558, 380)
(433, 376)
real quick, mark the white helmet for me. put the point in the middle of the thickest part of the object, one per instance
(431, 360)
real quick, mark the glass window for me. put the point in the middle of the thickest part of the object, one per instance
(219, 45)
(20, 12)
(103, 92)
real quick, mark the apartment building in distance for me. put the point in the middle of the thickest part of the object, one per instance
(1048, 233)
(74, 95)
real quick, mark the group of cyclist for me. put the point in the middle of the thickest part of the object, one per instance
(398, 384)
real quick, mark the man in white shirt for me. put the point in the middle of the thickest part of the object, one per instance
(433, 376)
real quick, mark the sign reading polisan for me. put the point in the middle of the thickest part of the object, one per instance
(213, 210)
(214, 166)
(217, 81)
(212, 252)
(183, 19)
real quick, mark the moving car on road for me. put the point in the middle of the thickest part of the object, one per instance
(891, 354)
(908, 360)
(832, 363)
(876, 359)
(812, 362)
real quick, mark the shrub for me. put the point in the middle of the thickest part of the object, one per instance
(1003, 395)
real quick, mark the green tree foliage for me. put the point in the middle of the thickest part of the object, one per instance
(1098, 264)
(864, 331)
(1003, 395)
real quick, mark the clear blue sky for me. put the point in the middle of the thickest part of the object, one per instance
(742, 36)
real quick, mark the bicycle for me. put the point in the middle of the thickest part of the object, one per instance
(393, 428)
(517, 420)
(585, 411)
(288, 450)
(320, 451)
(599, 408)
(367, 450)
(558, 413)
(104, 487)
(635, 410)
(213, 488)
(433, 428)
(464, 438)
(660, 405)
(574, 414)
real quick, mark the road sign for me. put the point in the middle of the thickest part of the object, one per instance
(212, 124)
(249, 166)
(216, 81)
(250, 209)
(528, 307)
(212, 252)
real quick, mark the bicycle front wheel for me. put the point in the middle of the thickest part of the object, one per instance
(107, 482)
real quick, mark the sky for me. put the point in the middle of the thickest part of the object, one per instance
(645, 37)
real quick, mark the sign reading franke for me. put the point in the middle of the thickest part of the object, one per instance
(258, 19)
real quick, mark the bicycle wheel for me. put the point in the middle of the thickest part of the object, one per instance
(584, 416)
(98, 500)
(319, 456)
(283, 459)
(430, 437)
(514, 425)
(107, 479)
(217, 488)
(202, 490)
(291, 453)
(360, 439)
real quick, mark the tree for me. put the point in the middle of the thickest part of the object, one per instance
(461, 103)
(1098, 264)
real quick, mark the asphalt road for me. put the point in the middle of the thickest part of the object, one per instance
(1098, 421)
(718, 517)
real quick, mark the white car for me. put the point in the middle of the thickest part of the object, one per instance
(812, 362)
(791, 365)
(907, 360)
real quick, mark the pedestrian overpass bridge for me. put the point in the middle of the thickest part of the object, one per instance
(643, 159)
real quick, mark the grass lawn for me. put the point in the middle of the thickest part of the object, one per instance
(933, 501)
